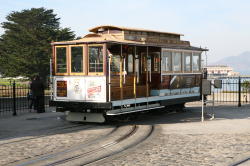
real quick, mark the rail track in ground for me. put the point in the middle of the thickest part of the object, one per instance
(243, 162)
(119, 139)
(45, 133)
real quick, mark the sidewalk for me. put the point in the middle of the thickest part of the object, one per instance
(28, 122)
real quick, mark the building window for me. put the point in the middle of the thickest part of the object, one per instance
(176, 61)
(187, 61)
(61, 60)
(196, 62)
(166, 61)
(95, 59)
(77, 59)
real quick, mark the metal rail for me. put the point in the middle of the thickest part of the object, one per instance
(53, 155)
(103, 147)
(52, 131)
(93, 150)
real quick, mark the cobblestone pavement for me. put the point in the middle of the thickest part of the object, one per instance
(179, 139)
(41, 134)
(183, 141)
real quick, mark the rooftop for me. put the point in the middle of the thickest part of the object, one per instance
(95, 29)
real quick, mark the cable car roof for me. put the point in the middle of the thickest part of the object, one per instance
(95, 29)
(98, 37)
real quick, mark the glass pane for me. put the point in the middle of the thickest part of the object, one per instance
(149, 64)
(187, 61)
(130, 63)
(166, 61)
(95, 59)
(176, 61)
(77, 59)
(137, 66)
(156, 61)
(115, 63)
(61, 60)
(144, 62)
(196, 62)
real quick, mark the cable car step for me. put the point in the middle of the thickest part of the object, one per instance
(85, 117)
(134, 109)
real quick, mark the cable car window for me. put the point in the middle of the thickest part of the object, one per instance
(130, 63)
(95, 59)
(187, 61)
(176, 61)
(61, 60)
(166, 61)
(77, 59)
(137, 67)
(115, 63)
(144, 62)
(149, 64)
(196, 62)
(156, 61)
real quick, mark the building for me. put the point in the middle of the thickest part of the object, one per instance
(220, 71)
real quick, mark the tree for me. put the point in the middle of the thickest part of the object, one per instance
(246, 85)
(25, 46)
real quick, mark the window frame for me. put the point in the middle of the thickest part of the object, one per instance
(118, 72)
(181, 61)
(152, 57)
(127, 64)
(170, 61)
(190, 53)
(67, 60)
(199, 64)
(83, 59)
(96, 45)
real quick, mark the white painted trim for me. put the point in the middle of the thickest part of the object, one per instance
(180, 50)
(149, 99)
(180, 73)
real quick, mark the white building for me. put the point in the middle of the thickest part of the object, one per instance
(220, 71)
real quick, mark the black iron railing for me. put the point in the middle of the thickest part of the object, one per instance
(14, 99)
(234, 90)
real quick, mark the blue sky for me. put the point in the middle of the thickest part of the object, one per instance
(223, 26)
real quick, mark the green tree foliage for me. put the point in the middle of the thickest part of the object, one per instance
(25, 46)
(246, 85)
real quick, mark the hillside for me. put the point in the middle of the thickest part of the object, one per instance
(240, 63)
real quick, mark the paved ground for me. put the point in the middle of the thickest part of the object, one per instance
(179, 138)
(183, 140)
(31, 134)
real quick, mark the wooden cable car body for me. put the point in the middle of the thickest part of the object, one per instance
(117, 70)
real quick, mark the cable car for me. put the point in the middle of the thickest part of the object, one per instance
(118, 70)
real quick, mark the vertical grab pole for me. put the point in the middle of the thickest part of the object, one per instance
(213, 106)
(121, 88)
(135, 72)
(109, 57)
(202, 108)
(147, 76)
(239, 91)
(124, 70)
(147, 73)
(50, 79)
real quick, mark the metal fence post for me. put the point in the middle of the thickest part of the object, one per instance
(239, 91)
(14, 97)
